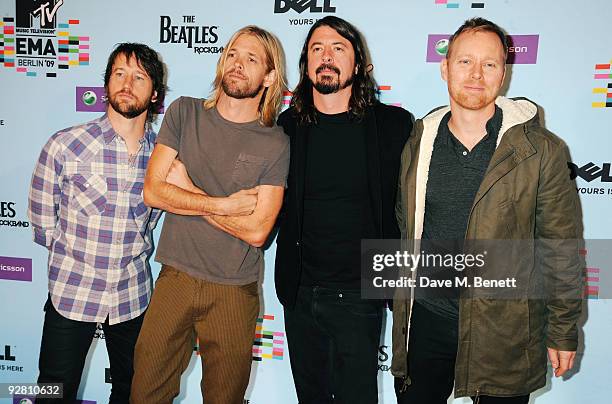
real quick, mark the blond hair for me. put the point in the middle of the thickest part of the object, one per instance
(270, 103)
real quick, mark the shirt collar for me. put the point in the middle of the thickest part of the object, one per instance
(493, 126)
(108, 133)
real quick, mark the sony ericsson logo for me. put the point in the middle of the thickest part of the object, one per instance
(16, 269)
(299, 6)
(90, 99)
(522, 49)
(442, 47)
(94, 99)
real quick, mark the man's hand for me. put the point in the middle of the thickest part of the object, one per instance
(561, 361)
(241, 203)
(177, 175)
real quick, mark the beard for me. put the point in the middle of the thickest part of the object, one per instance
(328, 83)
(469, 101)
(129, 110)
(232, 89)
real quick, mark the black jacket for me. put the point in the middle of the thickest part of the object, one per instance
(388, 128)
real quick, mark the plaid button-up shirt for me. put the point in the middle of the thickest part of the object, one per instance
(86, 206)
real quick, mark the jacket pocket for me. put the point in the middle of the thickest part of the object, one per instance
(89, 194)
(247, 170)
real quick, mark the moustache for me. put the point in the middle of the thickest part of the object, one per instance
(237, 74)
(328, 66)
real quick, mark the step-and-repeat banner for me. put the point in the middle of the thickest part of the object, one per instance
(52, 57)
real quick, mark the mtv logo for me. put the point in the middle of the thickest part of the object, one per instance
(44, 10)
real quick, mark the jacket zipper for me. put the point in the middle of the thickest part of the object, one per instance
(477, 398)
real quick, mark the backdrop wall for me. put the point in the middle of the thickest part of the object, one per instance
(52, 57)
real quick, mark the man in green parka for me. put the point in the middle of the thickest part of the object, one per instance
(485, 169)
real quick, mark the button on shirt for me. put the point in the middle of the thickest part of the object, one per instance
(455, 174)
(86, 206)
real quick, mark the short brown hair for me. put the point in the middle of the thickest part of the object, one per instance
(478, 24)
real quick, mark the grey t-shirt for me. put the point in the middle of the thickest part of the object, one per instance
(221, 157)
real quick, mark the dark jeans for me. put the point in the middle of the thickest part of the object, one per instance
(432, 349)
(64, 348)
(333, 337)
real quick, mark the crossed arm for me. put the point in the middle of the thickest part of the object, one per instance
(159, 193)
(248, 214)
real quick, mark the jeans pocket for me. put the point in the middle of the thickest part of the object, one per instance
(360, 307)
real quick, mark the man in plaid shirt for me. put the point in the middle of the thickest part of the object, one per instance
(86, 207)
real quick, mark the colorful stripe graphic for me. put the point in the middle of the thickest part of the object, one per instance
(287, 97)
(72, 50)
(455, 4)
(592, 284)
(603, 71)
(267, 344)
(7, 41)
(383, 89)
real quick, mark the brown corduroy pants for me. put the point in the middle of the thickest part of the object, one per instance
(223, 317)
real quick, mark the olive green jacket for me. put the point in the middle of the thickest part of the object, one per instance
(526, 194)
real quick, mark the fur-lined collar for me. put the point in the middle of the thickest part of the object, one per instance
(515, 112)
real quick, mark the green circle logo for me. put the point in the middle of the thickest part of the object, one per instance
(442, 47)
(89, 98)
(25, 401)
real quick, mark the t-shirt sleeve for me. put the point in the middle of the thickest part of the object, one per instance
(170, 129)
(276, 174)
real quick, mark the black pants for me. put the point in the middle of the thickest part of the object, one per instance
(432, 349)
(64, 348)
(333, 337)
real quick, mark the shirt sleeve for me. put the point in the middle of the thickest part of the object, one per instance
(170, 131)
(276, 173)
(45, 192)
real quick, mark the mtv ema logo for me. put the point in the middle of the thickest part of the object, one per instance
(455, 3)
(36, 43)
(268, 344)
(603, 72)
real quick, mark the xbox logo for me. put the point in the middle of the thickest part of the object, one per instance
(442, 47)
(25, 401)
(89, 98)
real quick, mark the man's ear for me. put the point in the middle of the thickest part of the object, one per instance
(444, 69)
(154, 97)
(269, 78)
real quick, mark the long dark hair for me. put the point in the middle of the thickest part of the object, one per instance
(364, 91)
(149, 60)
